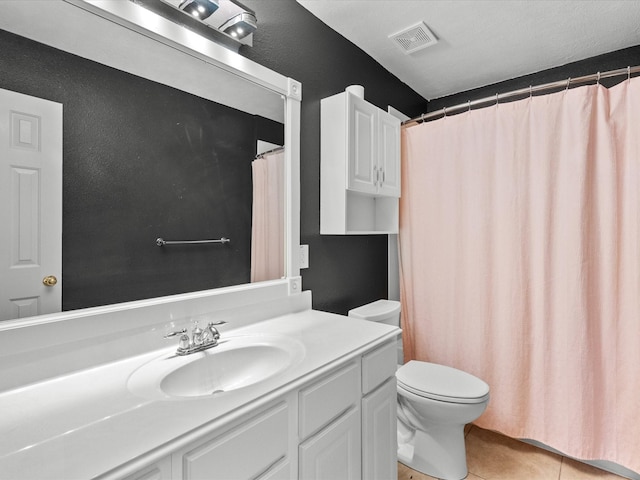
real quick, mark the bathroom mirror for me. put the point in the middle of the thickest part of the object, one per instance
(122, 36)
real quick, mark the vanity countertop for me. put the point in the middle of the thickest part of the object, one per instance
(84, 424)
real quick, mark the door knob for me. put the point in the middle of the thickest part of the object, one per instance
(49, 280)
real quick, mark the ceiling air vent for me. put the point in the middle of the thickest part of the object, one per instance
(414, 38)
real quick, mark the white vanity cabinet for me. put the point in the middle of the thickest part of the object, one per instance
(330, 427)
(332, 418)
(360, 167)
(334, 452)
(340, 425)
(348, 421)
(257, 448)
(379, 413)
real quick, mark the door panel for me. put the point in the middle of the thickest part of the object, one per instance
(335, 452)
(389, 154)
(30, 205)
(379, 431)
(361, 139)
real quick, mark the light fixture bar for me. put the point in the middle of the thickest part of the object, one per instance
(240, 25)
(200, 9)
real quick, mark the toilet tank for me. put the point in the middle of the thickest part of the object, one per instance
(385, 311)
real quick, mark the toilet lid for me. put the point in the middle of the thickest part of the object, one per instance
(376, 311)
(440, 382)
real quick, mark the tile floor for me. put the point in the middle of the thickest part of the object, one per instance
(491, 456)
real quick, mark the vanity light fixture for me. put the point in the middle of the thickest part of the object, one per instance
(227, 22)
(200, 9)
(240, 25)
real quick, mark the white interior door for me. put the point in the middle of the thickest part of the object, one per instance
(30, 206)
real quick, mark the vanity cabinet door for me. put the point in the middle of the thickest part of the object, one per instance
(256, 449)
(328, 398)
(379, 433)
(334, 453)
(158, 471)
(378, 366)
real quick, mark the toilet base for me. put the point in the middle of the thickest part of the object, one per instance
(440, 452)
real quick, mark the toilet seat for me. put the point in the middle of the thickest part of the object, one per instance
(439, 382)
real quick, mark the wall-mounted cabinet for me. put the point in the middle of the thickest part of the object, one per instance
(360, 167)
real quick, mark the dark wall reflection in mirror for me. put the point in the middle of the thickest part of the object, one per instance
(142, 160)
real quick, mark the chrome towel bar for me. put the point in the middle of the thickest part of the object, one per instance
(162, 242)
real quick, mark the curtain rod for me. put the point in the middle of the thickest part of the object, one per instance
(523, 91)
(273, 150)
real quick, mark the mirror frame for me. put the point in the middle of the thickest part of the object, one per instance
(131, 16)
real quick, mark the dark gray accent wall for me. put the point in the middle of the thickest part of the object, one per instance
(142, 160)
(345, 271)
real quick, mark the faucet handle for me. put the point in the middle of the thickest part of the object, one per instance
(184, 343)
(213, 331)
(176, 333)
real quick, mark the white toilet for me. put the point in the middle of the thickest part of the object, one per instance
(435, 402)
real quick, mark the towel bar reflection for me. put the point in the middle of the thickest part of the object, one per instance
(162, 242)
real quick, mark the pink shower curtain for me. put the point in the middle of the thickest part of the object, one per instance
(520, 263)
(267, 232)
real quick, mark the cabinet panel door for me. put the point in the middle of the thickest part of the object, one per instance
(389, 154)
(334, 453)
(362, 140)
(328, 398)
(379, 365)
(252, 450)
(379, 433)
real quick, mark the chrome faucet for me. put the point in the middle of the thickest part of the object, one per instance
(200, 339)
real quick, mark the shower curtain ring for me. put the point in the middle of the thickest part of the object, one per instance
(568, 82)
(422, 118)
(444, 110)
(598, 80)
(497, 100)
(468, 105)
(530, 91)
(629, 73)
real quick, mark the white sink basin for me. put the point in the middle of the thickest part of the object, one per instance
(237, 362)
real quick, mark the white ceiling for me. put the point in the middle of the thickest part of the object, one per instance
(481, 42)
